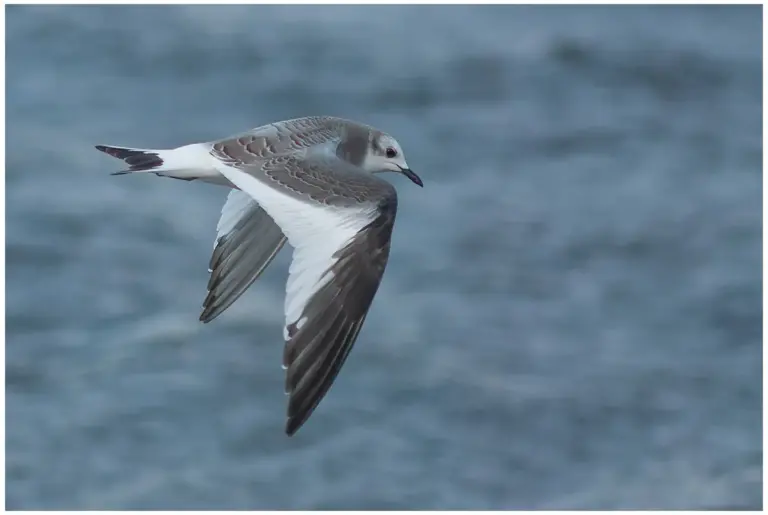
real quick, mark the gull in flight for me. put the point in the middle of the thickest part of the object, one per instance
(311, 181)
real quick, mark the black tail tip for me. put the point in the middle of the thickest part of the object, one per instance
(139, 160)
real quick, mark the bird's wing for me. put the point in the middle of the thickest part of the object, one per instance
(340, 232)
(247, 240)
(277, 139)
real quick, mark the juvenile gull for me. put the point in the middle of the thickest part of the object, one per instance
(309, 181)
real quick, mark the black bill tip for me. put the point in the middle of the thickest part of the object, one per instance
(412, 176)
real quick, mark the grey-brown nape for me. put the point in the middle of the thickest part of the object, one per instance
(353, 146)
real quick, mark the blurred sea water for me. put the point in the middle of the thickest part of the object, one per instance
(571, 314)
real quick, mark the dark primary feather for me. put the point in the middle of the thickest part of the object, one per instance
(334, 315)
(239, 258)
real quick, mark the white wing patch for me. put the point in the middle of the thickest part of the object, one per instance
(314, 231)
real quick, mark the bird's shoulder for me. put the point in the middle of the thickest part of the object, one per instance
(287, 137)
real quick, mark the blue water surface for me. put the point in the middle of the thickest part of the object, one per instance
(571, 315)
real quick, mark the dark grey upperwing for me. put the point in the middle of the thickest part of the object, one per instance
(334, 315)
(239, 258)
(277, 139)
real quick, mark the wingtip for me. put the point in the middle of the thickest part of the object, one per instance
(206, 315)
(210, 310)
(291, 427)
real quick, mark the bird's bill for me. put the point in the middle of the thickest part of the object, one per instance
(412, 176)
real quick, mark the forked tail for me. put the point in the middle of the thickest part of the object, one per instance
(139, 160)
(188, 163)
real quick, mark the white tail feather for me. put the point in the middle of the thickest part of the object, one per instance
(188, 162)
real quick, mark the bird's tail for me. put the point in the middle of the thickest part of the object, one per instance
(188, 163)
(140, 160)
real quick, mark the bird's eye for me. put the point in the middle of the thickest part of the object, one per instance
(391, 152)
